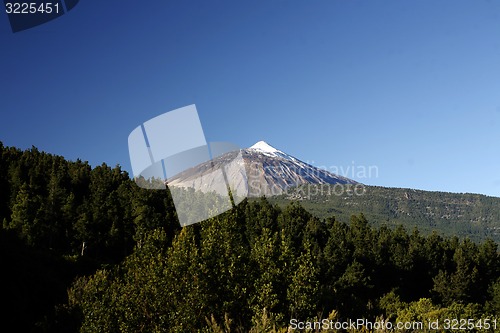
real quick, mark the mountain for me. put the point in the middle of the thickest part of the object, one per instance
(275, 171)
(268, 171)
(283, 178)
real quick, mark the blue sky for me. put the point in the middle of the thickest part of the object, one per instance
(411, 87)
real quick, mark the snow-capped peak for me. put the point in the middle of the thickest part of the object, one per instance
(265, 147)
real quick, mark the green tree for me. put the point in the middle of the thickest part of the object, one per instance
(303, 292)
(460, 284)
(95, 297)
(269, 287)
(24, 215)
(225, 265)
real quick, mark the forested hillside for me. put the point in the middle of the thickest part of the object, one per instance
(86, 250)
(465, 215)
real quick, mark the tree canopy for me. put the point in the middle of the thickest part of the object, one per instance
(86, 250)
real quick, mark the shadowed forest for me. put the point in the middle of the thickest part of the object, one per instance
(86, 250)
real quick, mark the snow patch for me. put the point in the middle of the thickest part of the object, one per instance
(265, 147)
(268, 150)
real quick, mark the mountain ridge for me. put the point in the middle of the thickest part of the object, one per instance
(269, 172)
(466, 215)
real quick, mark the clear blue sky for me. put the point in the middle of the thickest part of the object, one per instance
(412, 87)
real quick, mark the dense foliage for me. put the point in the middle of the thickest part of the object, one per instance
(469, 215)
(86, 250)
